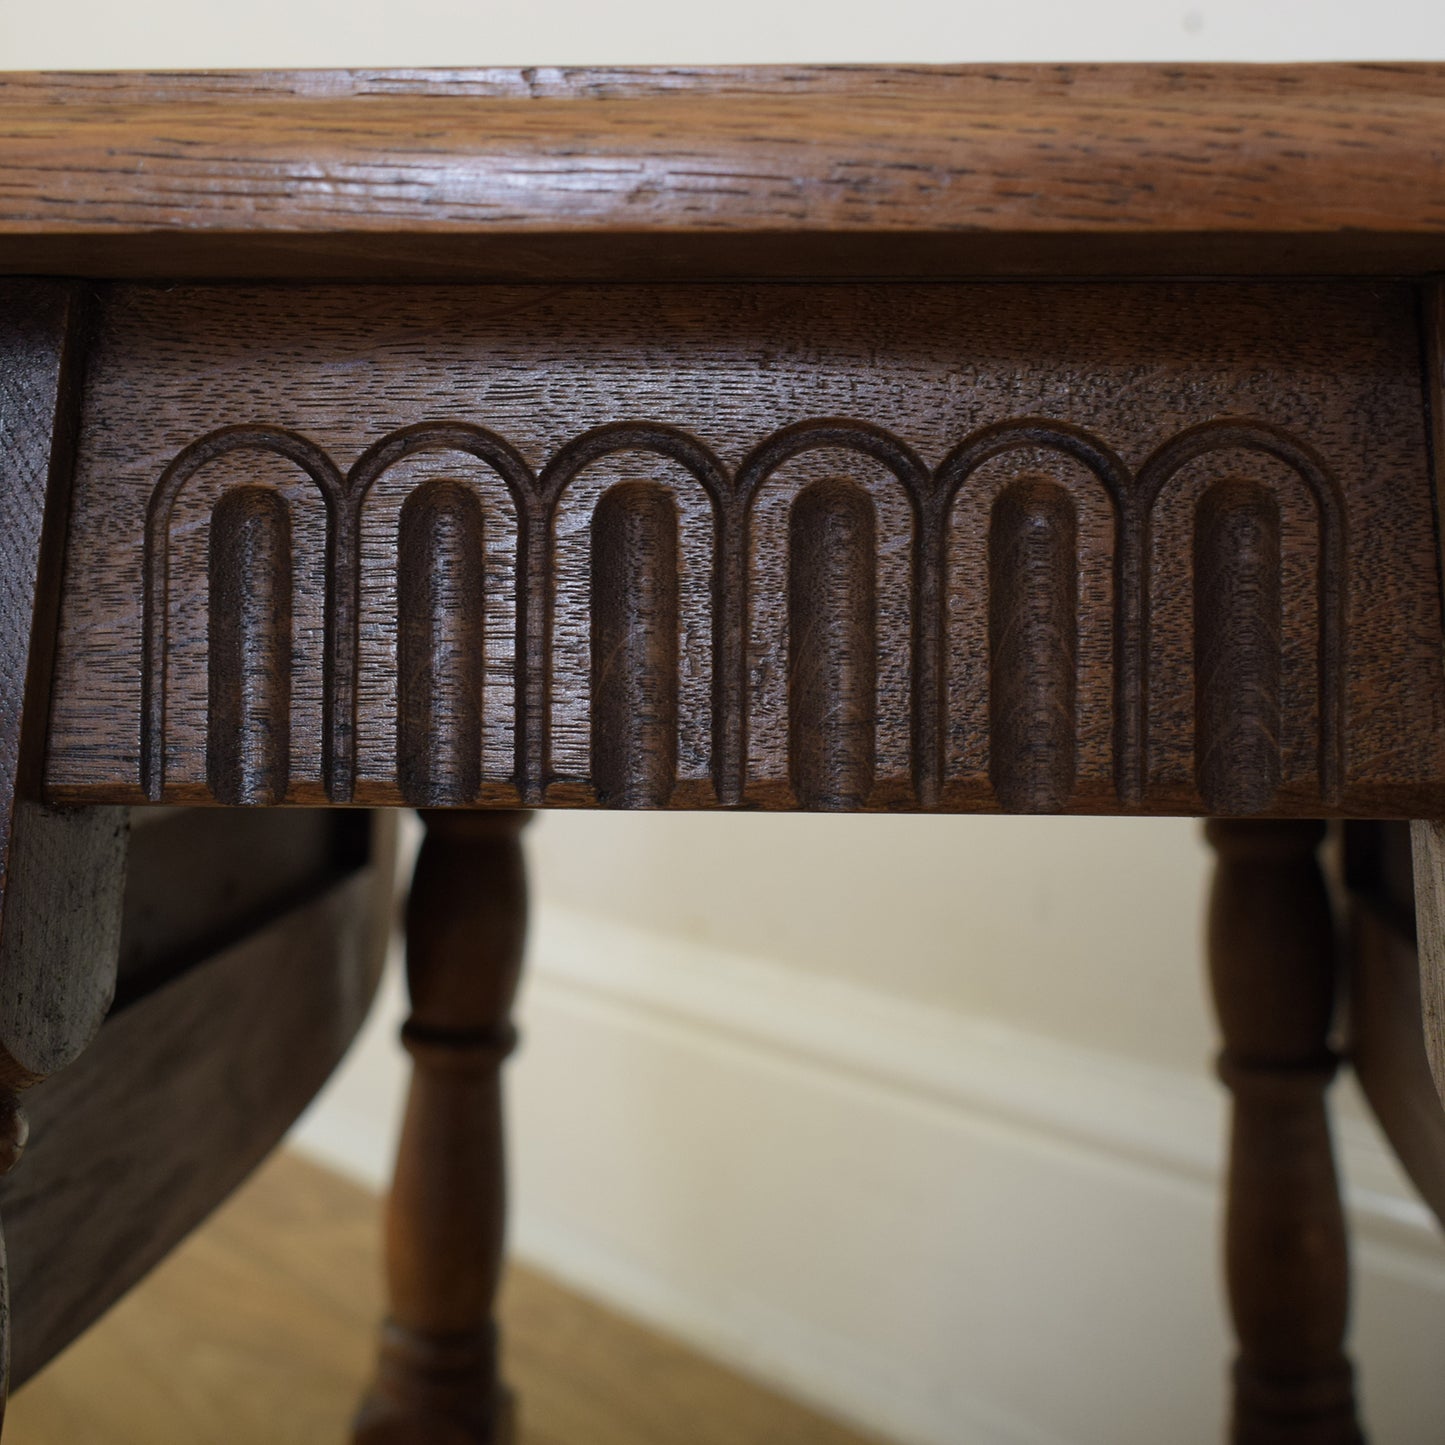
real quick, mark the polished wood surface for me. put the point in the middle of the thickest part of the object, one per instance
(1131, 546)
(1273, 967)
(296, 1254)
(1141, 549)
(437, 1382)
(783, 171)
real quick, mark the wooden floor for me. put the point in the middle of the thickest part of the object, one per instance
(259, 1329)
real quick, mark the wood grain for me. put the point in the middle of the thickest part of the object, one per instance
(296, 1256)
(248, 750)
(194, 1080)
(635, 653)
(1427, 832)
(1238, 642)
(60, 875)
(1387, 1042)
(786, 171)
(437, 1380)
(1272, 964)
(58, 956)
(38, 397)
(1427, 838)
(761, 546)
(1033, 592)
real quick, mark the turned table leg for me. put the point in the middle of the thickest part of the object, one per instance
(437, 1381)
(1272, 964)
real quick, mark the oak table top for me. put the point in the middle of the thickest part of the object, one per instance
(827, 171)
(1020, 439)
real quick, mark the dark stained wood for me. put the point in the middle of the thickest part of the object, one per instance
(249, 663)
(191, 1083)
(1386, 1029)
(441, 644)
(990, 535)
(780, 171)
(1033, 595)
(38, 414)
(437, 1381)
(1428, 830)
(14, 1135)
(832, 645)
(635, 638)
(1238, 646)
(1272, 964)
(60, 874)
(198, 880)
(58, 954)
(1141, 547)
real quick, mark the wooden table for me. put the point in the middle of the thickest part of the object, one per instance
(1031, 439)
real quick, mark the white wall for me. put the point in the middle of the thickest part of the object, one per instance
(106, 33)
(1086, 930)
(935, 1223)
(909, 1114)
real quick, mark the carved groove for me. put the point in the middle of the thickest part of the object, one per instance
(727, 691)
(498, 454)
(634, 646)
(440, 583)
(1225, 435)
(832, 629)
(1033, 645)
(905, 464)
(1238, 627)
(1033, 433)
(832, 645)
(248, 749)
(156, 577)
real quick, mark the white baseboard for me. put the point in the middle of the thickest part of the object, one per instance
(947, 1230)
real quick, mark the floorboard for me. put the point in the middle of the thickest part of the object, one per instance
(260, 1328)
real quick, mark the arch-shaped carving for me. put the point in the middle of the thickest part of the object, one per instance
(749, 522)
(897, 458)
(443, 436)
(1231, 434)
(155, 565)
(635, 436)
(844, 434)
(641, 525)
(1115, 481)
(1039, 433)
(470, 440)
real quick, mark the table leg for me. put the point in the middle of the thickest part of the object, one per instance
(437, 1382)
(1272, 962)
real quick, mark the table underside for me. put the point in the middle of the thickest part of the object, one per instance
(1107, 548)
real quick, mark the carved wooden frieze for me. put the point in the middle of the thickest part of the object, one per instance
(1034, 548)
